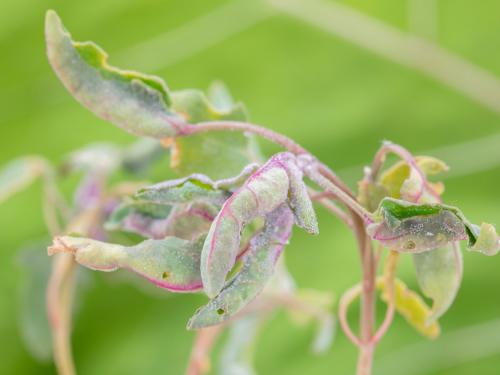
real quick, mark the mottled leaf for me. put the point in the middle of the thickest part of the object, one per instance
(171, 263)
(136, 102)
(408, 227)
(411, 227)
(439, 274)
(19, 174)
(258, 267)
(411, 306)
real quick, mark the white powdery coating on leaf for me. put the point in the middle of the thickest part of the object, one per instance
(258, 267)
(171, 263)
(419, 233)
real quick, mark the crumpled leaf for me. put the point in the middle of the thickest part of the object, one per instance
(439, 274)
(258, 267)
(135, 102)
(205, 153)
(194, 187)
(411, 306)
(410, 227)
(145, 218)
(19, 173)
(261, 194)
(171, 263)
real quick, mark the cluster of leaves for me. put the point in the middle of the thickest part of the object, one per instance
(221, 232)
(410, 219)
(222, 229)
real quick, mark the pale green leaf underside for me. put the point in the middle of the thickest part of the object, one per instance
(439, 274)
(204, 153)
(171, 263)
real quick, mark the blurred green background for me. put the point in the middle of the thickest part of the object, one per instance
(334, 97)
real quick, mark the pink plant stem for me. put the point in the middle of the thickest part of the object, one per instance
(59, 302)
(199, 362)
(271, 135)
(347, 298)
(60, 292)
(329, 186)
(367, 316)
(323, 198)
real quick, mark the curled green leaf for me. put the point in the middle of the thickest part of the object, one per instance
(262, 193)
(258, 267)
(171, 263)
(439, 274)
(135, 102)
(414, 228)
(194, 187)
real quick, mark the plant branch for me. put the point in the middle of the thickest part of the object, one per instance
(59, 302)
(345, 301)
(60, 292)
(367, 316)
(266, 133)
(329, 186)
(323, 198)
(199, 361)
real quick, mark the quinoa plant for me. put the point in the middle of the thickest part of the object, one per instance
(221, 227)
